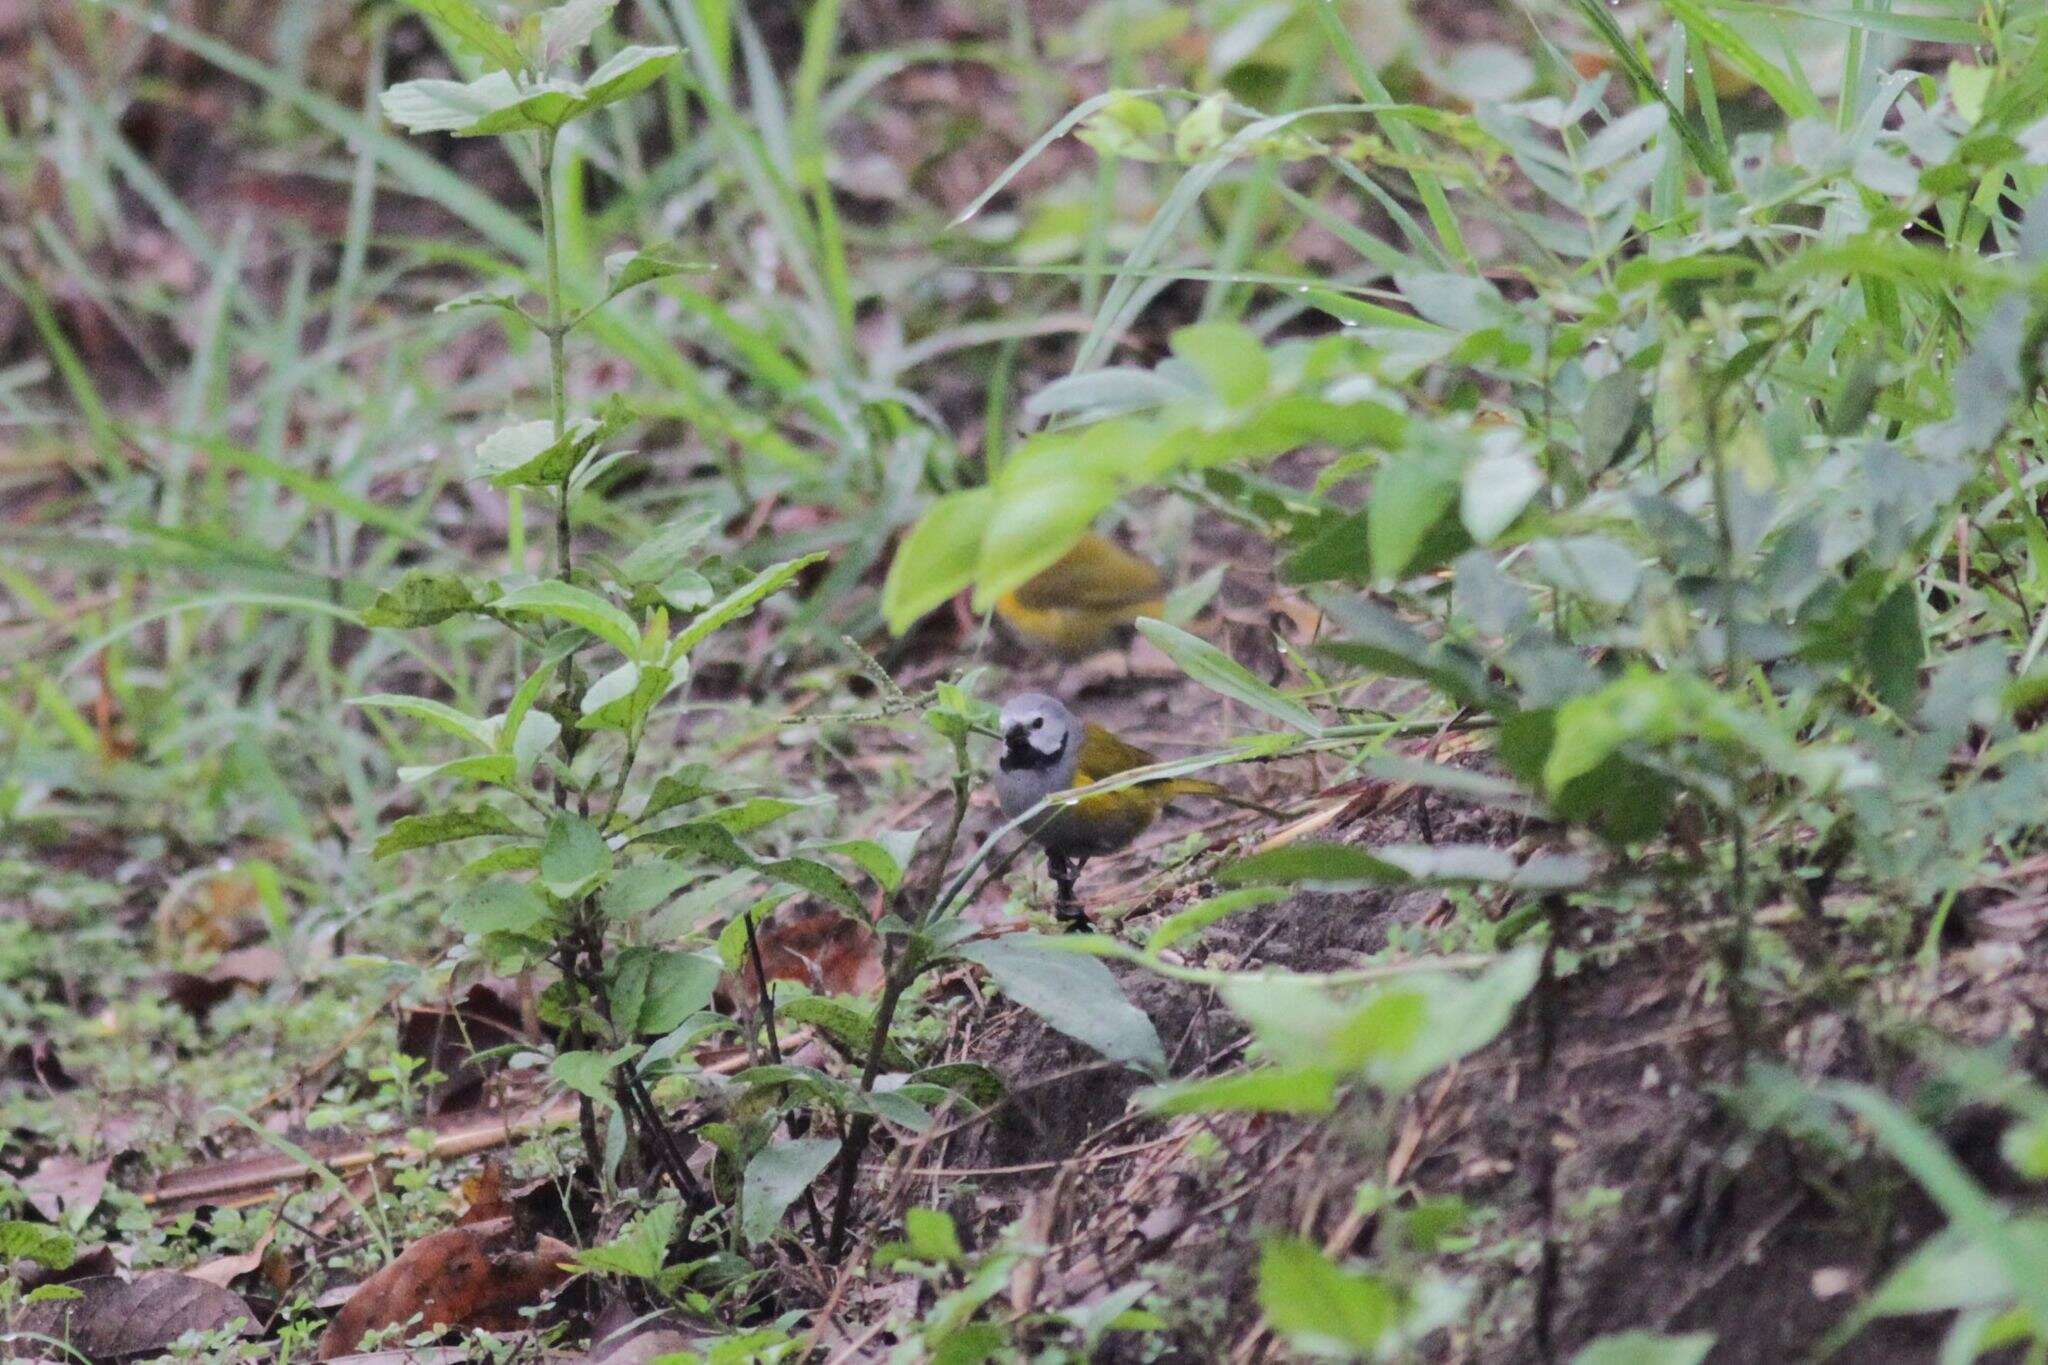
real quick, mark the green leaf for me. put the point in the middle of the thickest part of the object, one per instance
(1262, 1090)
(1218, 672)
(936, 560)
(1410, 521)
(630, 269)
(499, 907)
(577, 606)
(738, 603)
(587, 1073)
(1894, 647)
(566, 28)
(537, 730)
(46, 1246)
(687, 783)
(496, 769)
(469, 26)
(703, 840)
(616, 685)
(756, 813)
(421, 598)
(463, 726)
(572, 856)
(1075, 994)
(641, 1251)
(774, 1179)
(1228, 356)
(930, 1236)
(816, 878)
(663, 553)
(634, 891)
(527, 455)
(885, 857)
(442, 827)
(627, 73)
(1496, 487)
(1613, 416)
(678, 985)
(507, 299)
(1646, 1348)
(1196, 918)
(1318, 863)
(848, 1025)
(973, 1082)
(1318, 1306)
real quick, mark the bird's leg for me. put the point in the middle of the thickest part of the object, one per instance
(1066, 907)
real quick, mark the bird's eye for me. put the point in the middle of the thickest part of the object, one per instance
(1038, 724)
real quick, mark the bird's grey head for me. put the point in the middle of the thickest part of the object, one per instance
(1036, 731)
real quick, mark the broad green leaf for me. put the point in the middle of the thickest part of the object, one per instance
(630, 269)
(641, 1251)
(688, 783)
(577, 606)
(441, 827)
(613, 686)
(1196, 918)
(1410, 520)
(565, 28)
(1317, 863)
(496, 769)
(1075, 994)
(421, 598)
(537, 730)
(573, 855)
(886, 857)
(663, 553)
(930, 1236)
(678, 986)
(774, 1179)
(1320, 1307)
(704, 840)
(1218, 672)
(588, 1073)
(738, 603)
(1646, 1348)
(634, 891)
(816, 878)
(507, 299)
(1497, 486)
(472, 728)
(38, 1242)
(1262, 1090)
(755, 813)
(973, 1082)
(851, 1027)
(627, 73)
(1228, 356)
(937, 559)
(499, 907)
(527, 455)
(1038, 522)
(469, 25)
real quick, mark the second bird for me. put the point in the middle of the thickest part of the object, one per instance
(1085, 600)
(1046, 749)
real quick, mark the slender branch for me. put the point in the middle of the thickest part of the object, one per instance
(557, 334)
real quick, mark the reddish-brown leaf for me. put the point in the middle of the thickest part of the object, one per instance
(476, 1275)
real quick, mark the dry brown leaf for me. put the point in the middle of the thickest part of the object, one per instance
(477, 1275)
(831, 952)
(448, 1037)
(65, 1184)
(116, 1317)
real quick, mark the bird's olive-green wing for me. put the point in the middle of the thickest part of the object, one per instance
(1104, 755)
(1096, 576)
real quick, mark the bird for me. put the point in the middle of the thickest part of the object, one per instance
(1046, 750)
(1088, 596)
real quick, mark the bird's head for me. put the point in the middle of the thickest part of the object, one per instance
(1036, 730)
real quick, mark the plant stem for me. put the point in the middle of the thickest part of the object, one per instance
(557, 333)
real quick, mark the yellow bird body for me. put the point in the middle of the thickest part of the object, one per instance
(1109, 821)
(1084, 600)
(1047, 751)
